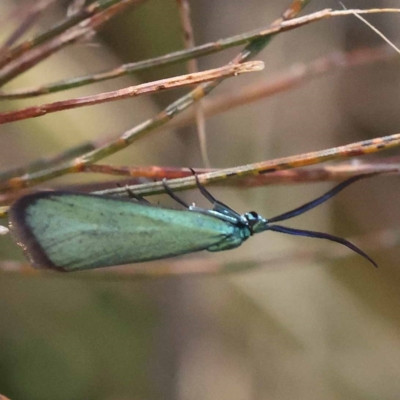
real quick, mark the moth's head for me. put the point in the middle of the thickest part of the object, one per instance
(255, 222)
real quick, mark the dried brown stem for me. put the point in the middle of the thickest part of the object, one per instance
(31, 57)
(335, 172)
(132, 91)
(27, 20)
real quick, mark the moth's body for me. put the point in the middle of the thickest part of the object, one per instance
(73, 232)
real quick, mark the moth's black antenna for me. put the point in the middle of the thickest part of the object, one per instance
(314, 203)
(321, 235)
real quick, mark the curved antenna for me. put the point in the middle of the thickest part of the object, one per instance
(321, 235)
(314, 203)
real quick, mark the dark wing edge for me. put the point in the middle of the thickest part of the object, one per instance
(22, 233)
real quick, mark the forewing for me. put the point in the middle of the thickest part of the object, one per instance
(69, 232)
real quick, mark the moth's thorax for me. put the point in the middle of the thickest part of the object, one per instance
(244, 232)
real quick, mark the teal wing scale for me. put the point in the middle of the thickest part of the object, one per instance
(71, 232)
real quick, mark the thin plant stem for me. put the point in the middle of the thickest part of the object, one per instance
(132, 91)
(335, 172)
(73, 20)
(188, 35)
(33, 56)
(265, 167)
(49, 162)
(179, 56)
(28, 19)
(150, 125)
(297, 75)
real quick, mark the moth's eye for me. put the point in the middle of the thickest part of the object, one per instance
(253, 214)
(252, 217)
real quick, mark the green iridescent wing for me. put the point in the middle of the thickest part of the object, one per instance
(70, 232)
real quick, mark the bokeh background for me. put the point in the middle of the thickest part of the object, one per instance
(293, 328)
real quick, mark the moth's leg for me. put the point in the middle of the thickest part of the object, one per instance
(203, 190)
(227, 244)
(133, 195)
(217, 205)
(173, 195)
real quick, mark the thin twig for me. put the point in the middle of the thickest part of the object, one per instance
(91, 10)
(335, 172)
(32, 57)
(139, 175)
(178, 56)
(128, 137)
(262, 168)
(266, 167)
(132, 91)
(29, 18)
(295, 76)
(188, 35)
(44, 163)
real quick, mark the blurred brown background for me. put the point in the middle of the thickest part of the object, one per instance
(298, 329)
